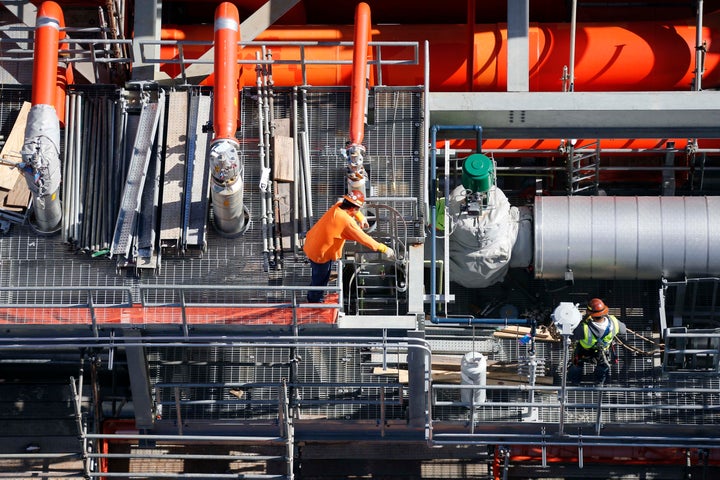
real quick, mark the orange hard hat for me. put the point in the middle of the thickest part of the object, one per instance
(597, 308)
(356, 197)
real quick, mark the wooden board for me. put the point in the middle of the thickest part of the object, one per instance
(11, 149)
(281, 127)
(504, 375)
(541, 333)
(19, 196)
(283, 159)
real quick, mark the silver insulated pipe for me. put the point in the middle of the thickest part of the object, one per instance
(41, 166)
(626, 237)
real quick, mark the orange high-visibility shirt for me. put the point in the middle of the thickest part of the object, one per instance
(325, 240)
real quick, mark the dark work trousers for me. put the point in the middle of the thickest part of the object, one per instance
(601, 360)
(320, 278)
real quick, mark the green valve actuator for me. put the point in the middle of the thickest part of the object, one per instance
(478, 174)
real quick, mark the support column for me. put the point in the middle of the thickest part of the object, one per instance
(518, 61)
(148, 23)
(139, 381)
(418, 385)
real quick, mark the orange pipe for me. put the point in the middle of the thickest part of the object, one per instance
(49, 79)
(637, 56)
(225, 103)
(358, 87)
(507, 147)
(628, 455)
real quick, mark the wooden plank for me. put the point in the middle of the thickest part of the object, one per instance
(11, 149)
(19, 196)
(402, 374)
(453, 377)
(281, 127)
(283, 159)
(516, 336)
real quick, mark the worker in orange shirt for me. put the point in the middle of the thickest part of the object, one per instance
(325, 240)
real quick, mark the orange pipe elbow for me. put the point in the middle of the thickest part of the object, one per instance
(358, 86)
(47, 84)
(225, 104)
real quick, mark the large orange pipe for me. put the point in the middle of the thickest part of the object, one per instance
(358, 88)
(514, 147)
(637, 56)
(49, 79)
(225, 104)
(628, 455)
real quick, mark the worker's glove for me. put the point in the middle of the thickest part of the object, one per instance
(389, 254)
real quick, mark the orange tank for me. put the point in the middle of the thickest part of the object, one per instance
(638, 56)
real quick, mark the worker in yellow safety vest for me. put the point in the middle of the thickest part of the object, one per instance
(324, 242)
(594, 342)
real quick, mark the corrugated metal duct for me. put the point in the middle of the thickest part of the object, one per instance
(626, 237)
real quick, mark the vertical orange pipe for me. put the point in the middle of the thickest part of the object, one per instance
(225, 104)
(358, 86)
(48, 23)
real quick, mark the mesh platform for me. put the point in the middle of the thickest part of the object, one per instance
(43, 263)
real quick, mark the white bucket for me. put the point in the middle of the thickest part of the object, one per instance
(473, 371)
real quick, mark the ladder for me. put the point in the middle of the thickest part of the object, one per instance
(583, 168)
(377, 284)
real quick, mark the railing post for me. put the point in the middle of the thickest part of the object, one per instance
(178, 413)
(598, 419)
(91, 308)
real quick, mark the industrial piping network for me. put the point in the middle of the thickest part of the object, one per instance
(632, 237)
(41, 148)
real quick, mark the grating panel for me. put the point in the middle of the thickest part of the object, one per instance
(244, 383)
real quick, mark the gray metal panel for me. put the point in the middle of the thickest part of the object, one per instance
(146, 27)
(174, 177)
(626, 237)
(580, 114)
(198, 207)
(150, 208)
(135, 178)
(25, 12)
(518, 46)
(137, 365)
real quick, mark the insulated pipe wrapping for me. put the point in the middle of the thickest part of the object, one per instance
(626, 237)
(41, 145)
